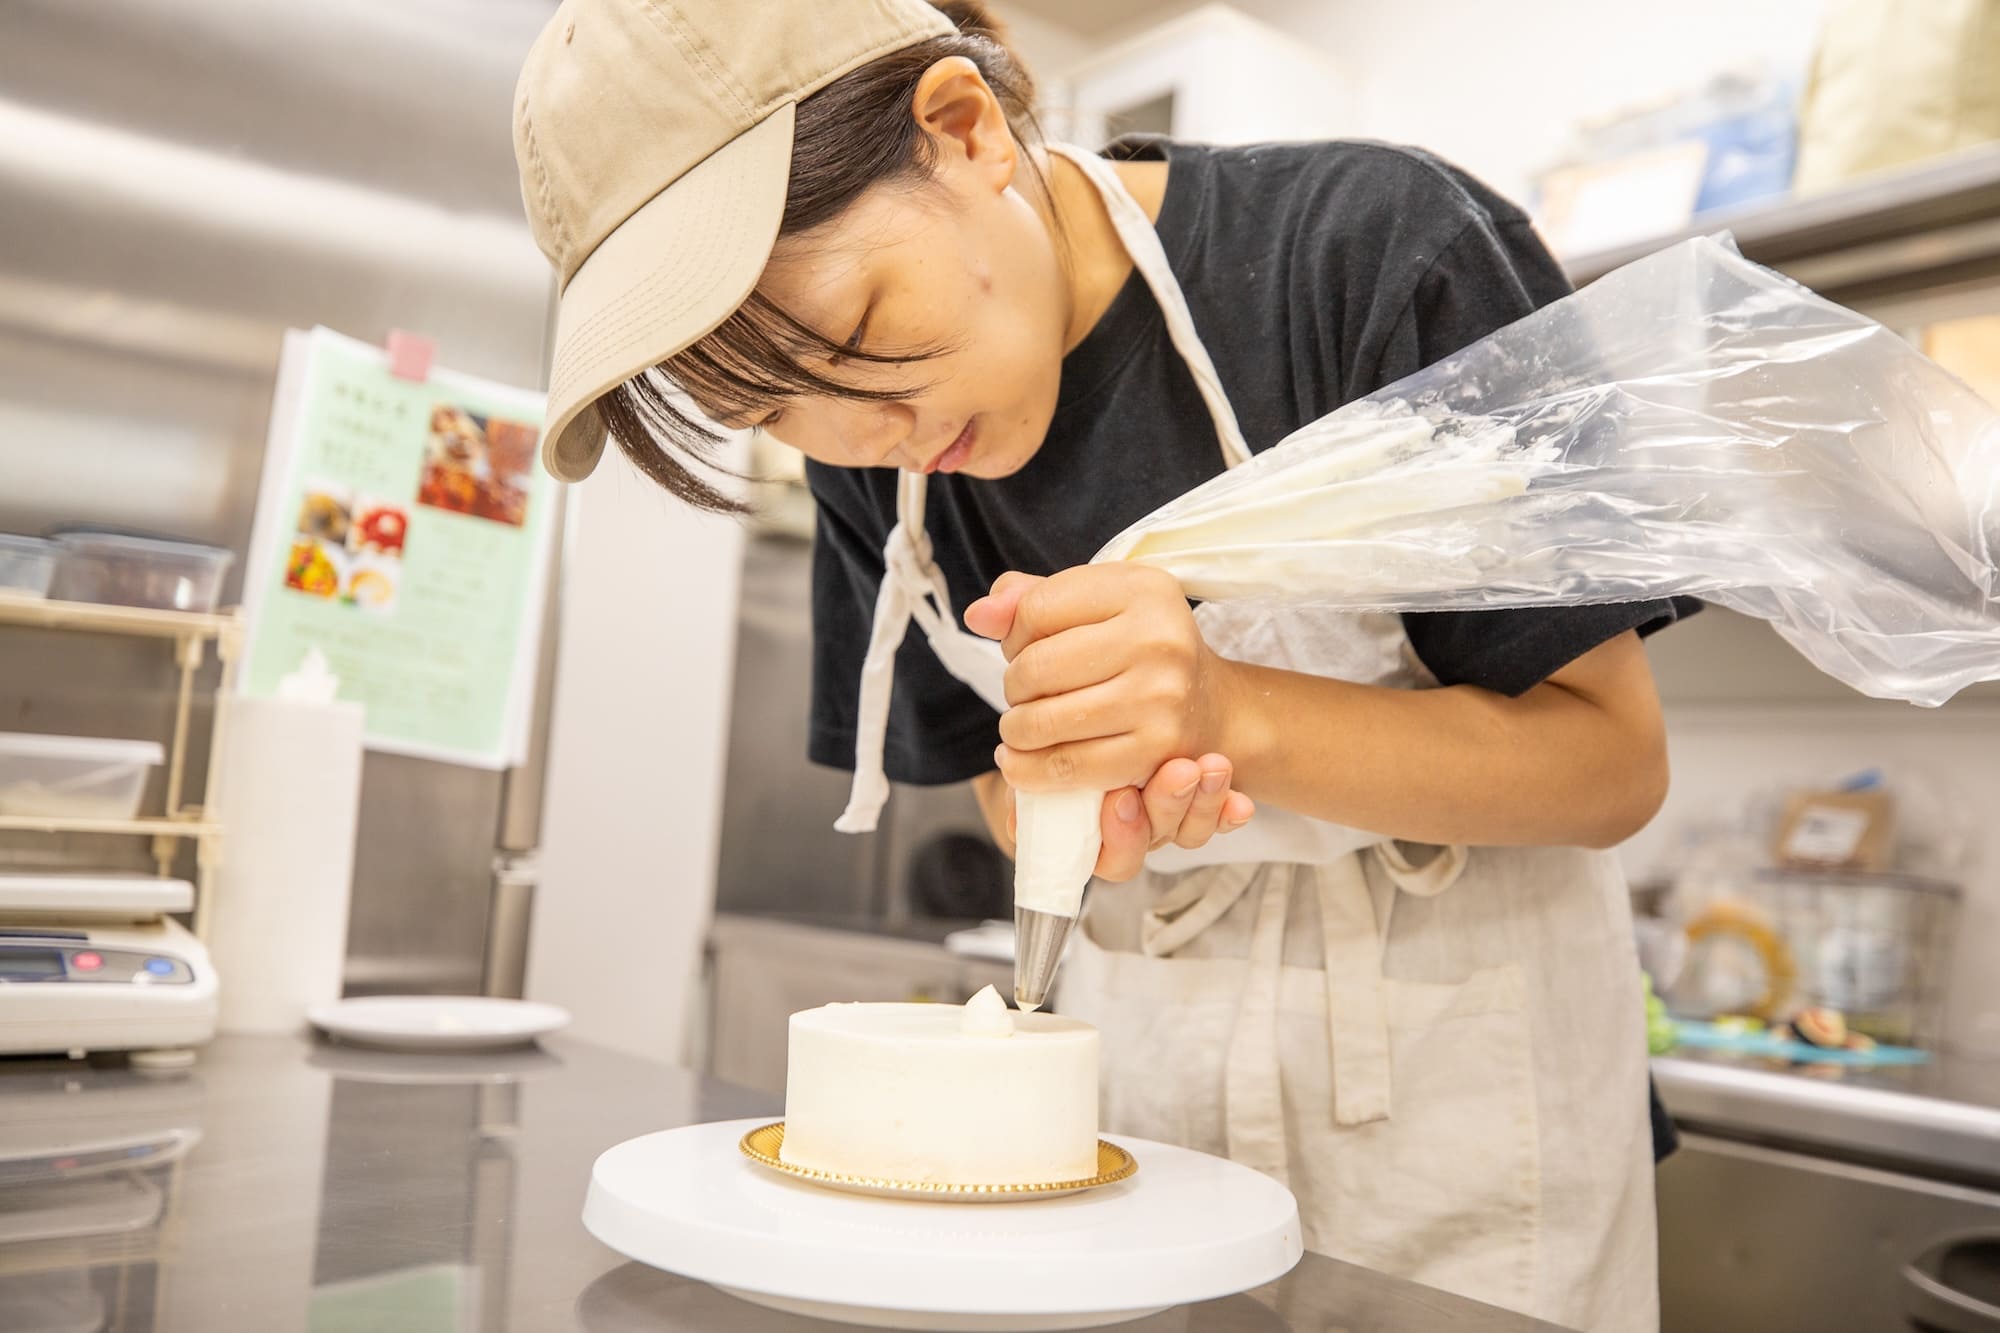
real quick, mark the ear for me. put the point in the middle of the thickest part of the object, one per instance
(954, 105)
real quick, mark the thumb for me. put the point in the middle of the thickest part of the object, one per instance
(992, 616)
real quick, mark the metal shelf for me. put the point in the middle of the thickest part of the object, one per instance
(155, 826)
(131, 620)
(189, 633)
(1934, 222)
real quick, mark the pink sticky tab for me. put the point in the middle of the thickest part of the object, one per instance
(410, 355)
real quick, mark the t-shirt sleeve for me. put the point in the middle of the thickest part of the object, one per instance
(940, 730)
(1494, 271)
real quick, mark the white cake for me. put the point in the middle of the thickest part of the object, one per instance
(940, 1094)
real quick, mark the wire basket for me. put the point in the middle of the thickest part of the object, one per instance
(1877, 947)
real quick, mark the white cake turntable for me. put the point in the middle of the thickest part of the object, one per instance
(1184, 1227)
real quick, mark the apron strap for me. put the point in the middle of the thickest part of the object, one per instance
(1142, 244)
(1357, 1011)
(913, 588)
(1428, 880)
(1191, 907)
(1253, 1086)
(870, 789)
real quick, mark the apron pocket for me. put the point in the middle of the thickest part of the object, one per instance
(1447, 1190)
(1166, 1026)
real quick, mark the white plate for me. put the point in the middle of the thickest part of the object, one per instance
(437, 1022)
(1187, 1227)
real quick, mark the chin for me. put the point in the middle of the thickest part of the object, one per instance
(1003, 458)
(993, 469)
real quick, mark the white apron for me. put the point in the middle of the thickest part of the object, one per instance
(1453, 1084)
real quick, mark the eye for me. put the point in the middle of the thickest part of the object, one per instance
(853, 343)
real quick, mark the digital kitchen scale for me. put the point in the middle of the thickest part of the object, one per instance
(95, 963)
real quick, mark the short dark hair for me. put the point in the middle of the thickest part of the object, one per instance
(851, 136)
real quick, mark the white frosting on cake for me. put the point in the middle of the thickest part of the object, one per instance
(941, 1094)
(985, 1015)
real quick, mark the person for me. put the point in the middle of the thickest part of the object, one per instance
(1354, 924)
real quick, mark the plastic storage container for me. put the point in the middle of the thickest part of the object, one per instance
(26, 565)
(72, 897)
(74, 777)
(128, 570)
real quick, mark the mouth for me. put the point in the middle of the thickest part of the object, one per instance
(955, 455)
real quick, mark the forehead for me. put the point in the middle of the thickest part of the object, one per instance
(886, 226)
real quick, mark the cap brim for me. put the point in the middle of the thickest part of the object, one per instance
(664, 278)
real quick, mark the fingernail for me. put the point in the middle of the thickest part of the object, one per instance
(1128, 807)
(998, 751)
(1211, 783)
(1188, 790)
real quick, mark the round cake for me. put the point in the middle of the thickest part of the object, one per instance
(942, 1094)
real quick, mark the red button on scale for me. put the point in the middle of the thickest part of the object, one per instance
(86, 961)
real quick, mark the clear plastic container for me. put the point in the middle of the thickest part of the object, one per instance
(74, 777)
(26, 565)
(76, 897)
(128, 570)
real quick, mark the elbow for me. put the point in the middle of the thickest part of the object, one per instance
(1637, 794)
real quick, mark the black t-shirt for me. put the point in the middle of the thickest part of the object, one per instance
(1317, 274)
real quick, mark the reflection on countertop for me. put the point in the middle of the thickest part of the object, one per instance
(282, 1183)
(1940, 1118)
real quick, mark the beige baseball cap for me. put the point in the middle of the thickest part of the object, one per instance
(655, 142)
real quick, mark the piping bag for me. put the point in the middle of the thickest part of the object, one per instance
(1056, 841)
(1690, 425)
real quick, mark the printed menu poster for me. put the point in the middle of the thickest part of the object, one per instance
(403, 529)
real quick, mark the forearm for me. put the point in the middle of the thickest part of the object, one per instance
(1557, 766)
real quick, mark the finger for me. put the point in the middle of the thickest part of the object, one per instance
(992, 616)
(1071, 660)
(1237, 811)
(1204, 811)
(1127, 836)
(1105, 764)
(1088, 595)
(1094, 713)
(1167, 797)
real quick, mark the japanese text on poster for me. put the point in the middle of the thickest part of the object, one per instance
(403, 529)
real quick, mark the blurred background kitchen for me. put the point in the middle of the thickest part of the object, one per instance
(185, 180)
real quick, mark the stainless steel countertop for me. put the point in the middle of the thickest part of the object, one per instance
(1941, 1118)
(280, 1183)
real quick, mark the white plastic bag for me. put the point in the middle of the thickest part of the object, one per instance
(1689, 424)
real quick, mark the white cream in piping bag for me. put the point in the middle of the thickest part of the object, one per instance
(1056, 840)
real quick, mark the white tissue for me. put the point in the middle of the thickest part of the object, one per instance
(312, 683)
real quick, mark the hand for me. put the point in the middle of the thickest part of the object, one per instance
(1108, 678)
(1187, 802)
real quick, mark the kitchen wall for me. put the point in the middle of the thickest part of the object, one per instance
(1048, 48)
(1495, 87)
(633, 804)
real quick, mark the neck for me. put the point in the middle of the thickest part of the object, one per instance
(1093, 258)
